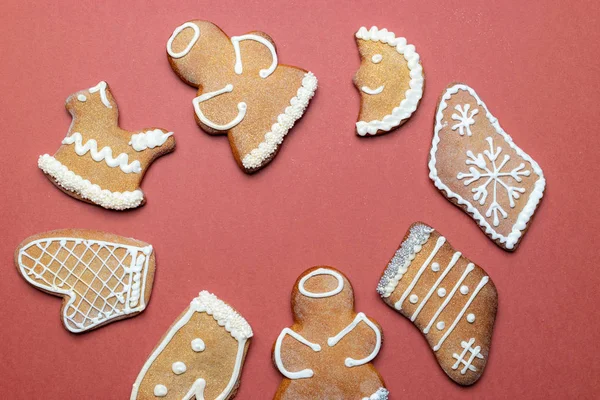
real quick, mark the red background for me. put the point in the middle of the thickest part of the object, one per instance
(328, 198)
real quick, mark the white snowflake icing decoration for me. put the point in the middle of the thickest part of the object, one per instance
(465, 120)
(493, 173)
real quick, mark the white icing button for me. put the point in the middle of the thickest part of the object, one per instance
(179, 368)
(440, 325)
(160, 390)
(471, 318)
(198, 345)
(413, 298)
(441, 292)
(435, 267)
(464, 289)
(81, 97)
(377, 58)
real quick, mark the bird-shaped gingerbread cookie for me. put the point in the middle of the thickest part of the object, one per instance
(327, 352)
(243, 91)
(98, 161)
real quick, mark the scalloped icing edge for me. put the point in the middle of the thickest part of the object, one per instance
(285, 122)
(223, 313)
(534, 198)
(380, 394)
(72, 182)
(412, 96)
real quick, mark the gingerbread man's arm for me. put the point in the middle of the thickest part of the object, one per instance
(351, 362)
(305, 373)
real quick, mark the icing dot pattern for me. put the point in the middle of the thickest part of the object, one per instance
(413, 298)
(441, 292)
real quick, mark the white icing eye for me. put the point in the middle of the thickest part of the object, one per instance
(81, 97)
(377, 58)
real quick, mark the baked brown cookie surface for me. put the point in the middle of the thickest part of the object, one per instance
(327, 352)
(452, 301)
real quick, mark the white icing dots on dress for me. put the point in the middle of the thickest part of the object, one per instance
(441, 292)
(178, 368)
(464, 289)
(435, 267)
(377, 58)
(198, 345)
(413, 298)
(81, 97)
(160, 390)
(440, 325)
(471, 318)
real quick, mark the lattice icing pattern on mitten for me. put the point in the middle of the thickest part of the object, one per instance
(100, 280)
(451, 300)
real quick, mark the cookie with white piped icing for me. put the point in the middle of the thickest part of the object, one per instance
(478, 167)
(200, 357)
(452, 301)
(99, 162)
(243, 90)
(327, 352)
(101, 277)
(390, 81)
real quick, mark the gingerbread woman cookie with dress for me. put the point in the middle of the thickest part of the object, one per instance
(327, 352)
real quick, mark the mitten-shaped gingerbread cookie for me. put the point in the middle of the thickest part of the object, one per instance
(98, 161)
(390, 81)
(327, 352)
(101, 277)
(243, 91)
(479, 168)
(200, 357)
(450, 299)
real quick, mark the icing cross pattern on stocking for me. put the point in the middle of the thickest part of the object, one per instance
(473, 353)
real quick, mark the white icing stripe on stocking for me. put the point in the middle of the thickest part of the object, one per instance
(72, 182)
(121, 161)
(264, 73)
(351, 362)
(305, 373)
(451, 264)
(481, 284)
(207, 96)
(284, 123)
(101, 87)
(440, 242)
(470, 267)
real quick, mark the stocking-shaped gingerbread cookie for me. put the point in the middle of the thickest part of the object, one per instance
(327, 352)
(243, 91)
(98, 161)
(452, 301)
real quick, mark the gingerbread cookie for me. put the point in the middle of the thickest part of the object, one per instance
(98, 161)
(451, 300)
(101, 277)
(479, 168)
(327, 352)
(243, 91)
(200, 357)
(390, 81)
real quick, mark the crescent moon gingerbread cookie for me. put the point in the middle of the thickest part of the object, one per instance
(327, 352)
(479, 168)
(101, 277)
(451, 300)
(98, 161)
(200, 357)
(390, 81)
(243, 91)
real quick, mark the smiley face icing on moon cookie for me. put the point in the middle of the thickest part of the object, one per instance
(390, 81)
(243, 90)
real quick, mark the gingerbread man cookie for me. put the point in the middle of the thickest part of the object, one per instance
(479, 168)
(243, 91)
(98, 161)
(101, 277)
(327, 352)
(200, 357)
(451, 300)
(390, 81)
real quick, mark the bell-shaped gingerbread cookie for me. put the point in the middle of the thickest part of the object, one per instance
(243, 91)
(390, 81)
(479, 168)
(327, 352)
(99, 162)
(101, 277)
(200, 357)
(451, 300)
